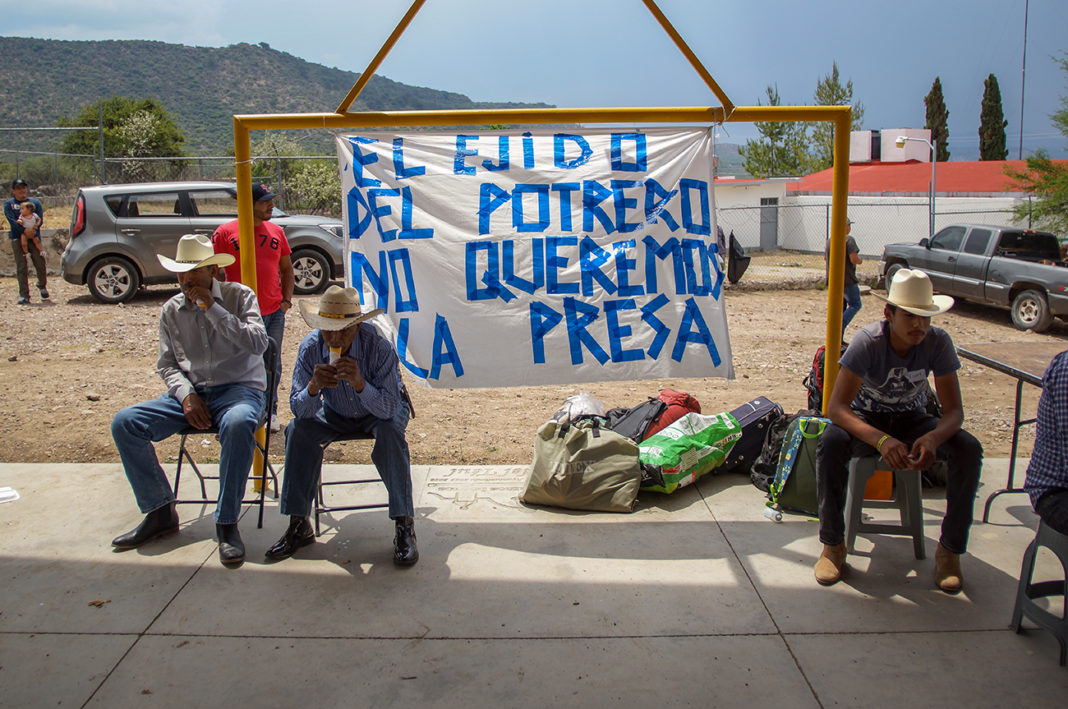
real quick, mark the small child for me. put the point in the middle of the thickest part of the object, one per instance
(30, 221)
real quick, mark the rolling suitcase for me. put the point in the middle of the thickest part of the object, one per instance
(754, 417)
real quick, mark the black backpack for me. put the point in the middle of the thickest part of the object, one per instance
(763, 469)
(635, 421)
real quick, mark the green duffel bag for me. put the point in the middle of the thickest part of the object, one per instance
(583, 466)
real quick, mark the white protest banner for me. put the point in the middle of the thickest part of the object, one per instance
(513, 259)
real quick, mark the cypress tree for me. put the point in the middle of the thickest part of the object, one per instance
(938, 120)
(992, 123)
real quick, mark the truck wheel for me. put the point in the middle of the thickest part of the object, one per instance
(890, 271)
(113, 279)
(1030, 311)
(311, 272)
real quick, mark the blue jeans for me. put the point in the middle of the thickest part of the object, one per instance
(275, 324)
(305, 438)
(235, 410)
(962, 452)
(853, 305)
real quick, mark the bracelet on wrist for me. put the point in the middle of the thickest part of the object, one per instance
(879, 445)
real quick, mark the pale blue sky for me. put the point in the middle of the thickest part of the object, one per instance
(613, 53)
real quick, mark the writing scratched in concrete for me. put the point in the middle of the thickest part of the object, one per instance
(464, 486)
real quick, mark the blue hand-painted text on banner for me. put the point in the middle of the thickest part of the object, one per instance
(512, 259)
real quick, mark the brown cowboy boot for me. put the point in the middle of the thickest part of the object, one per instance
(830, 564)
(947, 570)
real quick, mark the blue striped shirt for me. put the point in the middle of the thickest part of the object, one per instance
(374, 354)
(1048, 469)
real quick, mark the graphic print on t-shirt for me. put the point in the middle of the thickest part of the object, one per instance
(902, 390)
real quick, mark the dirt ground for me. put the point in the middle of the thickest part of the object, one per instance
(67, 366)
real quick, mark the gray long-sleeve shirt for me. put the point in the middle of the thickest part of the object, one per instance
(222, 345)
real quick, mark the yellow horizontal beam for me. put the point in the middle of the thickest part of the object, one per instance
(532, 116)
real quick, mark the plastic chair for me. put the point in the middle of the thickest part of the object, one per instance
(265, 416)
(1027, 592)
(907, 499)
(320, 503)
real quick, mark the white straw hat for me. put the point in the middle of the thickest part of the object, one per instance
(194, 251)
(912, 291)
(338, 309)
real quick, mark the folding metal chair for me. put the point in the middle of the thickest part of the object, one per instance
(320, 503)
(270, 356)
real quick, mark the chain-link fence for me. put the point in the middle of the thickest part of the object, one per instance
(307, 184)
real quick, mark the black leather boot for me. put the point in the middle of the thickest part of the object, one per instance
(405, 552)
(299, 534)
(231, 548)
(157, 523)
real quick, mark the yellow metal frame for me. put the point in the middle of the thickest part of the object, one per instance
(841, 116)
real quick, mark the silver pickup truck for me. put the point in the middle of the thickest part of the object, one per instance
(1019, 269)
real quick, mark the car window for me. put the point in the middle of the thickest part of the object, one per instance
(159, 204)
(949, 238)
(977, 241)
(114, 203)
(214, 203)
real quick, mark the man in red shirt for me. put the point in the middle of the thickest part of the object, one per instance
(274, 271)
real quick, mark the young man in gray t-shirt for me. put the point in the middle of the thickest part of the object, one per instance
(879, 405)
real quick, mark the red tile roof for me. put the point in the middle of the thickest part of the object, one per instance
(913, 178)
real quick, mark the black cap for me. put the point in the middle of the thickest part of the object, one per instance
(19, 182)
(261, 193)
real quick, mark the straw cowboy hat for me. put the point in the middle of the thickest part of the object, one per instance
(338, 309)
(912, 291)
(194, 251)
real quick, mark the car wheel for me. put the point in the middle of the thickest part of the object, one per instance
(113, 280)
(311, 272)
(1030, 311)
(890, 271)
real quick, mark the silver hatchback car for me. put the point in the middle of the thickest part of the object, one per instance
(117, 230)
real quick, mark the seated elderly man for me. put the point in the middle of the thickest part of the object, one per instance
(879, 405)
(211, 345)
(345, 383)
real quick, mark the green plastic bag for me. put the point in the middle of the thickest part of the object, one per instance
(689, 448)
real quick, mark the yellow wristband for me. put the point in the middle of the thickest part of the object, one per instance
(879, 445)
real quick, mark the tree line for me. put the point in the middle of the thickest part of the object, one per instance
(797, 148)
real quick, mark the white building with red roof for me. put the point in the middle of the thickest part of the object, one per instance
(888, 198)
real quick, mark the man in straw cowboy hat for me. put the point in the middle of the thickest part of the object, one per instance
(345, 382)
(211, 345)
(878, 405)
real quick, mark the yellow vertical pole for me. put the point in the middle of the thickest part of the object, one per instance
(836, 262)
(247, 254)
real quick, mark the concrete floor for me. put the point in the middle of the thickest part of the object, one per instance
(694, 599)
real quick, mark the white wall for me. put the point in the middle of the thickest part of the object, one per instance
(878, 221)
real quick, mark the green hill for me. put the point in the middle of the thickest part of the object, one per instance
(42, 80)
